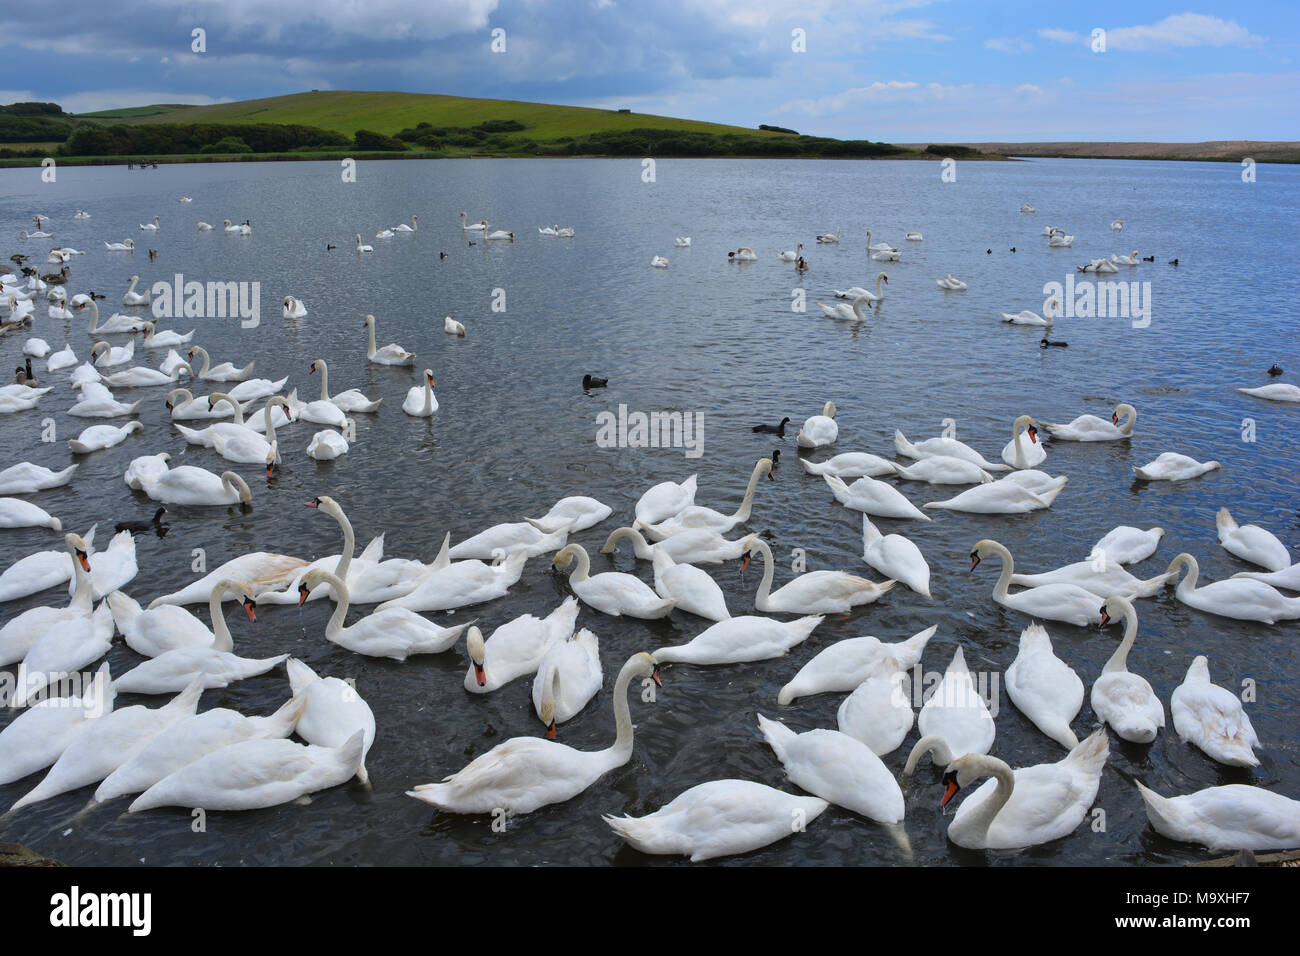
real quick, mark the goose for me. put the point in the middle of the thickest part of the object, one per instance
(879, 246)
(452, 327)
(1004, 496)
(140, 376)
(838, 768)
(501, 234)
(1249, 542)
(1230, 817)
(1025, 317)
(188, 485)
(1276, 392)
(695, 516)
(326, 445)
(191, 738)
(420, 401)
(26, 478)
(611, 592)
(818, 431)
(1043, 687)
(517, 648)
(740, 640)
(1211, 718)
(1119, 697)
(827, 237)
(131, 297)
(847, 663)
(293, 308)
(856, 291)
(873, 497)
(151, 226)
(98, 402)
(205, 226)
(956, 713)
(390, 354)
(1128, 545)
(361, 247)
(665, 500)
(851, 465)
(170, 627)
(577, 512)
(395, 633)
(1101, 575)
(950, 447)
(403, 227)
(693, 590)
(848, 313)
(568, 677)
(895, 557)
(914, 237)
(951, 284)
(164, 339)
(1092, 428)
(350, 401)
(944, 470)
(525, 773)
(1245, 599)
(717, 818)
(692, 546)
(682, 241)
(225, 372)
(460, 584)
(1020, 453)
(1028, 806)
(16, 513)
(104, 355)
(109, 742)
(743, 254)
(333, 713)
(473, 227)
(1172, 466)
(254, 774)
(878, 713)
(1056, 602)
(791, 256)
(1288, 578)
(816, 592)
(659, 262)
(37, 737)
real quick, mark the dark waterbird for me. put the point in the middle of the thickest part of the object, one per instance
(1274, 372)
(1148, 258)
(1045, 343)
(773, 429)
(329, 246)
(141, 527)
(591, 381)
(1173, 262)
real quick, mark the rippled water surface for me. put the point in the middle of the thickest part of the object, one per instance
(515, 432)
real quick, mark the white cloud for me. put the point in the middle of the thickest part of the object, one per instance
(1060, 36)
(1008, 44)
(1179, 31)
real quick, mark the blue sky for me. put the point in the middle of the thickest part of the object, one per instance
(892, 70)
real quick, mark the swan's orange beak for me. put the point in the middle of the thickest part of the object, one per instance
(656, 678)
(1105, 618)
(313, 369)
(744, 562)
(430, 378)
(1033, 434)
(950, 789)
(250, 609)
(270, 469)
(85, 562)
(1114, 418)
(314, 503)
(550, 730)
(974, 560)
(885, 280)
(302, 594)
(479, 675)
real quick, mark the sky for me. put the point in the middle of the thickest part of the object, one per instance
(887, 70)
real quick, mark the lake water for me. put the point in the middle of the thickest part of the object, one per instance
(515, 432)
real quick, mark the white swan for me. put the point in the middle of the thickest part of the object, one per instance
(830, 236)
(576, 512)
(1172, 466)
(568, 677)
(38, 736)
(131, 297)
(126, 245)
(263, 569)
(1119, 697)
(1092, 428)
(1287, 578)
(81, 214)
(1125, 544)
(847, 663)
(164, 339)
(1230, 817)
(204, 226)
(741, 639)
(887, 255)
(951, 284)
(878, 713)
(390, 354)
(659, 262)
(452, 327)
(853, 293)
(1244, 599)
(879, 246)
(501, 234)
(1277, 392)
(1060, 240)
(104, 355)
(505, 539)
(361, 247)
(1101, 575)
(696, 516)
(1211, 718)
(895, 557)
(693, 590)
(33, 573)
(317, 412)
(1132, 259)
(170, 627)
(25, 478)
(944, 446)
(140, 376)
(1025, 317)
(693, 546)
(853, 464)
(1044, 688)
(189, 408)
(516, 648)
(403, 227)
(612, 592)
(1002, 497)
(718, 818)
(333, 714)
(682, 241)
(526, 773)
(818, 431)
(743, 254)
(151, 226)
(293, 308)
(1249, 542)
(816, 592)
(1117, 225)
(1056, 602)
(420, 401)
(789, 256)
(944, 470)
(849, 313)
(1024, 450)
(225, 372)
(350, 401)
(473, 227)
(21, 633)
(460, 584)
(188, 485)
(874, 497)
(98, 402)
(914, 237)
(326, 445)
(665, 500)
(384, 234)
(16, 513)
(956, 712)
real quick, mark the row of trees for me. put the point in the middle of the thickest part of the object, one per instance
(169, 139)
(668, 142)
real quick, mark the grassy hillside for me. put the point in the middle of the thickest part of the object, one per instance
(346, 111)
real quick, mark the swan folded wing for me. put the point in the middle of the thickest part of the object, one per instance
(519, 775)
(1214, 718)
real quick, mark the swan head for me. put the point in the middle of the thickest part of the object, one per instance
(79, 550)
(749, 544)
(644, 665)
(1121, 410)
(1029, 425)
(327, 505)
(982, 550)
(829, 410)
(565, 556)
(546, 711)
(370, 319)
(477, 648)
(1117, 608)
(764, 467)
(242, 590)
(1181, 561)
(234, 481)
(428, 376)
(962, 772)
(272, 459)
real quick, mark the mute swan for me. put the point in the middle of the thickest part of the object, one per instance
(948, 282)
(384, 234)
(847, 663)
(395, 633)
(682, 241)
(420, 401)
(691, 588)
(517, 648)
(25, 478)
(818, 431)
(191, 738)
(568, 677)
(838, 768)
(294, 308)
(895, 557)
(326, 445)
(1128, 545)
(944, 446)
(1029, 806)
(1277, 392)
(525, 773)
(31, 574)
(38, 234)
(317, 412)
(108, 743)
(201, 408)
(140, 376)
(1117, 225)
(1044, 688)
(1092, 428)
(879, 246)
(914, 237)
(1171, 466)
(81, 214)
(361, 247)
(1131, 259)
(612, 592)
(548, 230)
(659, 262)
(852, 464)
(205, 226)
(501, 234)
(403, 227)
(1288, 578)
(38, 736)
(164, 339)
(886, 255)
(1100, 574)
(577, 512)
(944, 470)
(1211, 718)
(693, 546)
(170, 627)
(57, 311)
(390, 354)
(664, 500)
(1022, 454)
(743, 254)
(1121, 698)
(473, 227)
(333, 714)
(1025, 317)
(36, 348)
(956, 712)
(213, 666)
(452, 327)
(1060, 240)
(16, 513)
(104, 355)
(878, 713)
(225, 372)
(12, 403)
(1008, 495)
(830, 236)
(1104, 266)
(144, 469)
(350, 401)
(460, 584)
(849, 313)
(150, 227)
(506, 539)
(235, 441)
(856, 291)
(126, 245)
(131, 297)
(718, 818)
(1244, 599)
(695, 516)
(741, 639)
(816, 592)
(21, 633)
(792, 256)
(1056, 602)
(98, 402)
(1249, 542)
(1230, 817)
(873, 497)
(188, 485)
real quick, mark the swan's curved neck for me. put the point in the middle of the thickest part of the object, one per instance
(1127, 428)
(1193, 572)
(764, 586)
(349, 544)
(428, 389)
(204, 352)
(640, 545)
(221, 633)
(930, 744)
(235, 485)
(341, 596)
(83, 596)
(747, 503)
(582, 567)
(980, 818)
(371, 327)
(94, 316)
(1016, 431)
(1119, 660)
(620, 752)
(270, 422)
(324, 380)
(880, 279)
(1008, 569)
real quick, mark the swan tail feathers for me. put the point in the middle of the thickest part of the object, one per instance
(300, 675)
(1090, 754)
(777, 735)
(903, 446)
(1225, 522)
(812, 468)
